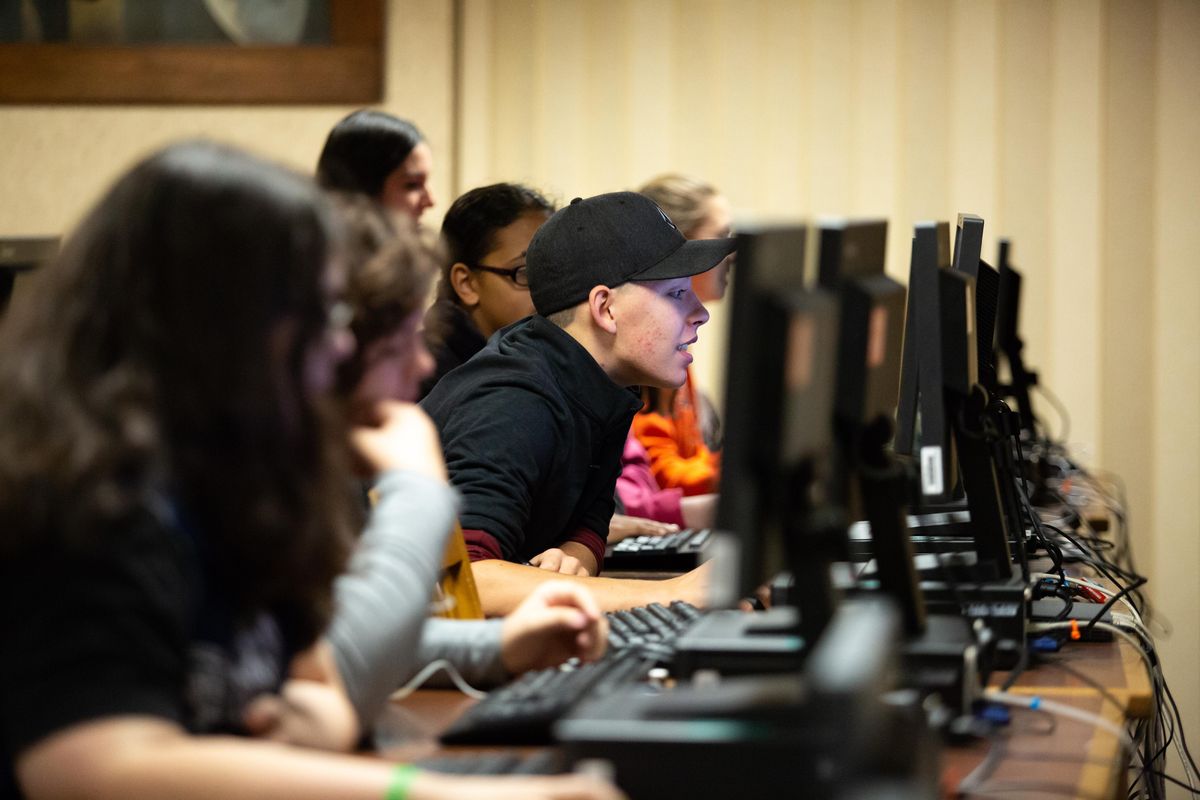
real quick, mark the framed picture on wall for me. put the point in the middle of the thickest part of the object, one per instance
(191, 51)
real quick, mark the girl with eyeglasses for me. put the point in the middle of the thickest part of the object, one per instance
(483, 286)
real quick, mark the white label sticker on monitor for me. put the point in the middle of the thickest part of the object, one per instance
(931, 470)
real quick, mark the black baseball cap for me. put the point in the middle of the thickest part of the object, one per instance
(611, 239)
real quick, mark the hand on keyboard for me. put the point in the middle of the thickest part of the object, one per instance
(524, 711)
(622, 527)
(558, 621)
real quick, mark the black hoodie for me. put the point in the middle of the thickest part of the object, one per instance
(533, 431)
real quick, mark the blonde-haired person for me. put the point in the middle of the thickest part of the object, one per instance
(679, 428)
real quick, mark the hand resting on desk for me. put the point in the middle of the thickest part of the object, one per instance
(570, 559)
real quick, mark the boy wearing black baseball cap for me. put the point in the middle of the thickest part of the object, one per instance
(533, 426)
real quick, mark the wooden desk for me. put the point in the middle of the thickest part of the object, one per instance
(1073, 759)
(1037, 755)
(1044, 756)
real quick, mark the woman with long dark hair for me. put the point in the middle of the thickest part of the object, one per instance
(382, 156)
(173, 506)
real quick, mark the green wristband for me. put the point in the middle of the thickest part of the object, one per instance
(402, 777)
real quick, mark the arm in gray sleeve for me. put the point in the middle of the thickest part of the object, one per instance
(472, 646)
(383, 600)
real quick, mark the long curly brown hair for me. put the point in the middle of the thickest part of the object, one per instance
(390, 264)
(148, 362)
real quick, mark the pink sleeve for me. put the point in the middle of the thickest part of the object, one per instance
(639, 491)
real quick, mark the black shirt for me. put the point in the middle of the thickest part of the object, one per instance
(533, 431)
(129, 626)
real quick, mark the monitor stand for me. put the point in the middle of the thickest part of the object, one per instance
(832, 728)
(735, 642)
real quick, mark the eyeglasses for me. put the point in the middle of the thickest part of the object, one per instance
(517, 275)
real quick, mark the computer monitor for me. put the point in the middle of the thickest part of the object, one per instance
(778, 408)
(867, 480)
(966, 406)
(1008, 343)
(851, 265)
(968, 259)
(944, 425)
(19, 255)
(922, 429)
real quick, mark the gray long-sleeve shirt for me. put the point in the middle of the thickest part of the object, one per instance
(379, 634)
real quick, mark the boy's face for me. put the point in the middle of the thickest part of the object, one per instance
(656, 322)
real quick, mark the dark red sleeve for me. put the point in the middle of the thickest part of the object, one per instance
(592, 541)
(481, 545)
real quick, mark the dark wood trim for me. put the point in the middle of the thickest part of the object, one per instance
(350, 70)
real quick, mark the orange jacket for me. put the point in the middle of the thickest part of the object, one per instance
(678, 457)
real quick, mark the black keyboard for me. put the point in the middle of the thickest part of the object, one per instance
(652, 625)
(674, 552)
(524, 711)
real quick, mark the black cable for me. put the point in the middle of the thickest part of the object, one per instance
(1187, 753)
(1160, 733)
(1054, 551)
(1089, 680)
(1157, 736)
(1015, 673)
(1097, 563)
(1111, 602)
(1035, 519)
(1175, 781)
(1012, 468)
(1120, 513)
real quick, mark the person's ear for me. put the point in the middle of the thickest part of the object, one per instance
(462, 281)
(600, 301)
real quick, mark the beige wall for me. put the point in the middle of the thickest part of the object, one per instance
(1071, 126)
